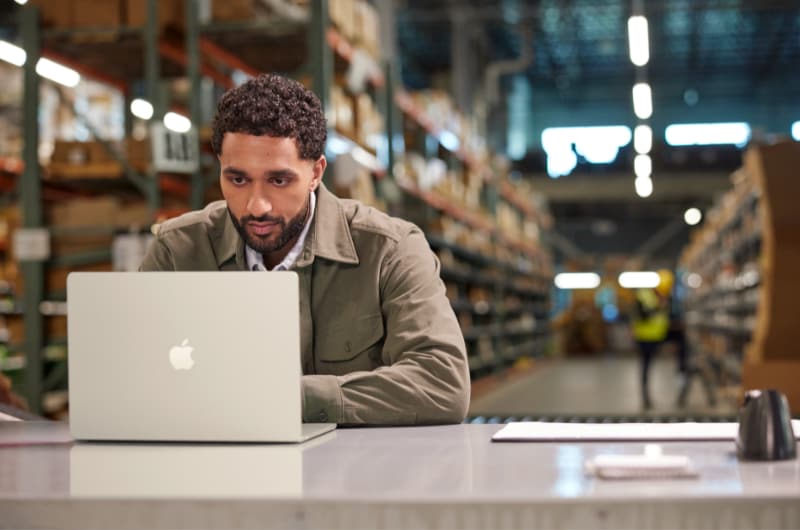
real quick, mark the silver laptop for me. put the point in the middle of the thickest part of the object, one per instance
(185, 356)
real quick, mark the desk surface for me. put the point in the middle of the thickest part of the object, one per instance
(437, 477)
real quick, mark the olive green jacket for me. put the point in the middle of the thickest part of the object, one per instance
(380, 344)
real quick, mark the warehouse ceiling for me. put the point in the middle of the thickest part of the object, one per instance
(710, 61)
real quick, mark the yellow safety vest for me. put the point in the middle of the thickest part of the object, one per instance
(655, 327)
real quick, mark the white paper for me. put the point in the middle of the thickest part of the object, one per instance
(594, 432)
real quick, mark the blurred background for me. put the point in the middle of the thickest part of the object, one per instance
(609, 185)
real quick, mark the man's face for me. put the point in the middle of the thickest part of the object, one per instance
(267, 187)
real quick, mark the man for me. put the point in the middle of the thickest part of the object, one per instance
(650, 326)
(379, 341)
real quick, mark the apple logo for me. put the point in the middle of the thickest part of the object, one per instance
(181, 356)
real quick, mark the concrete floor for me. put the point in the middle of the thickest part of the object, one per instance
(595, 386)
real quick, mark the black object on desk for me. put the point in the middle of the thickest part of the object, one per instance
(765, 427)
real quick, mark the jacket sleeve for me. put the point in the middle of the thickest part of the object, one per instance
(425, 379)
(157, 258)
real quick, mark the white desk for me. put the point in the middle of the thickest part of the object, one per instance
(413, 477)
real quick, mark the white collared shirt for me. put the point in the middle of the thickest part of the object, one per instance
(255, 261)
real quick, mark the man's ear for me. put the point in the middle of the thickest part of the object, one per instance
(319, 170)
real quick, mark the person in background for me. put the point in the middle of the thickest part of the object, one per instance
(380, 344)
(650, 328)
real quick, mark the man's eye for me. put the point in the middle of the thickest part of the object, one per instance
(238, 181)
(280, 181)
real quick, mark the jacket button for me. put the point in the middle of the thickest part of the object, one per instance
(323, 416)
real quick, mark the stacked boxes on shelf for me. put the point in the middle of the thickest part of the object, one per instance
(359, 23)
(88, 160)
(496, 274)
(741, 271)
(772, 358)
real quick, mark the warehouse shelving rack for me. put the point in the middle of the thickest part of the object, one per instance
(215, 50)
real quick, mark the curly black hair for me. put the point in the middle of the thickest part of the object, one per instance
(272, 105)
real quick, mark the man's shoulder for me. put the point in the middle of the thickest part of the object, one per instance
(369, 220)
(203, 220)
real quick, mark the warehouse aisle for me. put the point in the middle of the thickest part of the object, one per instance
(601, 385)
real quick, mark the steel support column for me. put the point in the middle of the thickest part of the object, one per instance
(30, 192)
(152, 71)
(195, 103)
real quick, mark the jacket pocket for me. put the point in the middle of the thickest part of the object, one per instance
(358, 341)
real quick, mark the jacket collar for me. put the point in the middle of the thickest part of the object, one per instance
(329, 236)
(228, 245)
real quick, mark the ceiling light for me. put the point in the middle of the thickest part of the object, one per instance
(12, 54)
(642, 101)
(577, 280)
(175, 122)
(644, 186)
(141, 109)
(736, 133)
(642, 166)
(639, 280)
(21, 2)
(643, 139)
(58, 73)
(638, 41)
(692, 216)
(796, 130)
(598, 145)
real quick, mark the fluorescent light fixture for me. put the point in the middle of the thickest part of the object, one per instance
(598, 145)
(365, 158)
(796, 130)
(692, 216)
(642, 166)
(639, 280)
(12, 54)
(45, 67)
(644, 186)
(560, 163)
(642, 101)
(736, 133)
(638, 41)
(577, 280)
(337, 145)
(141, 109)
(449, 141)
(175, 122)
(643, 139)
(58, 73)
(694, 280)
(516, 145)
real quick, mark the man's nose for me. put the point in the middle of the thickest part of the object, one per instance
(258, 205)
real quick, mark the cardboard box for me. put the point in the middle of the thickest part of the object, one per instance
(170, 14)
(96, 13)
(138, 152)
(232, 10)
(781, 375)
(85, 212)
(134, 214)
(54, 13)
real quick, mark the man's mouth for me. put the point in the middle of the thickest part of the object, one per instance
(262, 229)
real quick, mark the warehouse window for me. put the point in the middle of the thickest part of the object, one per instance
(598, 145)
(680, 134)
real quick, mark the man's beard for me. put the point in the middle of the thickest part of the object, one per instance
(286, 231)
